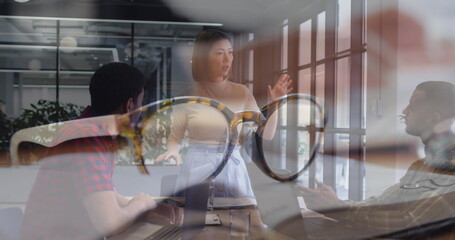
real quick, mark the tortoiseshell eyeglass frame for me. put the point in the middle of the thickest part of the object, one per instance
(135, 131)
(125, 125)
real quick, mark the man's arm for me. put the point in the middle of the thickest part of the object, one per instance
(121, 200)
(321, 198)
(108, 216)
(381, 219)
(376, 216)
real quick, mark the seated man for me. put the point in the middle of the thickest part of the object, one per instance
(74, 196)
(426, 193)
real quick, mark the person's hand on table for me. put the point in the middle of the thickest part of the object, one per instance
(323, 197)
(168, 155)
(165, 214)
(143, 201)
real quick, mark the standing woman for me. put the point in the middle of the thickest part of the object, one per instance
(211, 67)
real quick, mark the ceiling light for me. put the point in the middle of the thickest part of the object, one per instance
(68, 44)
(136, 50)
(34, 64)
(21, 1)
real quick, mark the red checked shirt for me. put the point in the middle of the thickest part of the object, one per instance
(70, 171)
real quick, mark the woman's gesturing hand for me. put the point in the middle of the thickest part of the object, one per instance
(281, 87)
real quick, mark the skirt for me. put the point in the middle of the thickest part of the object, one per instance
(199, 161)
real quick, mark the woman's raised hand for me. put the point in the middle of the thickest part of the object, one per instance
(281, 87)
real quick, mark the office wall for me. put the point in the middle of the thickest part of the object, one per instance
(181, 68)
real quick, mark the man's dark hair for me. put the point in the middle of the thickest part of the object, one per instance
(112, 85)
(441, 95)
(204, 42)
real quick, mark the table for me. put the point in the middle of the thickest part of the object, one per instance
(332, 230)
(257, 230)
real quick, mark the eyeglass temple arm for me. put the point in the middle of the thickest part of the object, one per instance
(51, 135)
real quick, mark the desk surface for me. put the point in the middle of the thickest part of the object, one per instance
(257, 229)
(140, 230)
(330, 229)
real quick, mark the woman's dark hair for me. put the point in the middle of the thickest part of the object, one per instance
(204, 42)
(112, 85)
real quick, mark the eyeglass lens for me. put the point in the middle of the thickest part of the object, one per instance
(192, 136)
(290, 137)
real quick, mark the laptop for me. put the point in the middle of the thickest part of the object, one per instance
(277, 203)
(193, 222)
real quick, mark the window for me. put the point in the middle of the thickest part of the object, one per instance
(331, 67)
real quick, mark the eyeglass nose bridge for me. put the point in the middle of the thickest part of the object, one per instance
(247, 117)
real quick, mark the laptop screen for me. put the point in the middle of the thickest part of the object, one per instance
(196, 197)
(277, 202)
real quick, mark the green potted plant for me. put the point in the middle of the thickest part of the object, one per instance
(41, 113)
(45, 112)
(5, 134)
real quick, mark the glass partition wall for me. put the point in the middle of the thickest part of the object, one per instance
(53, 59)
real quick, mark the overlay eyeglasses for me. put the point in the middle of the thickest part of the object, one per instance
(284, 136)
